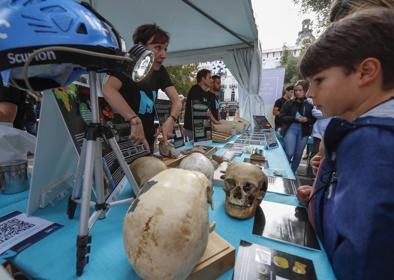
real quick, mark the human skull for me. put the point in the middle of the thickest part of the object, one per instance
(245, 185)
(166, 228)
(198, 162)
(145, 168)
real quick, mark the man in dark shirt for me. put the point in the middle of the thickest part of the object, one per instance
(135, 102)
(198, 94)
(215, 97)
(287, 95)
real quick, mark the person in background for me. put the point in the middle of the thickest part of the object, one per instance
(287, 95)
(223, 112)
(135, 102)
(12, 106)
(351, 207)
(297, 121)
(198, 94)
(319, 127)
(215, 98)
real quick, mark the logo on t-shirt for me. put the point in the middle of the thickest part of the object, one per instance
(146, 104)
(217, 104)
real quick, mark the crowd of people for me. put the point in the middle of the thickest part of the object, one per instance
(345, 102)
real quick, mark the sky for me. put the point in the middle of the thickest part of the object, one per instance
(278, 22)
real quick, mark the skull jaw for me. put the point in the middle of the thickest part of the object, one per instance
(241, 212)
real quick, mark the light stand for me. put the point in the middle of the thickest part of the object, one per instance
(90, 165)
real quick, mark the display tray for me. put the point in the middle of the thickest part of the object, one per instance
(258, 262)
(286, 223)
(282, 185)
(172, 162)
(206, 150)
(217, 259)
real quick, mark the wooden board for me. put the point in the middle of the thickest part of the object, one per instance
(217, 259)
(172, 162)
(220, 137)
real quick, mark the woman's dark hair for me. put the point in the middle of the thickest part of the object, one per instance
(147, 31)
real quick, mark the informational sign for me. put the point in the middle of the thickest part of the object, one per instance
(258, 262)
(163, 110)
(65, 115)
(74, 103)
(202, 127)
(271, 88)
(282, 185)
(286, 223)
(261, 122)
(17, 231)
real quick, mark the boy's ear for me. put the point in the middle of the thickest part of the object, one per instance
(368, 71)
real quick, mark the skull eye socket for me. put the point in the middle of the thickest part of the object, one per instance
(229, 184)
(247, 187)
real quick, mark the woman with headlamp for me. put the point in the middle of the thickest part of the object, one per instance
(135, 102)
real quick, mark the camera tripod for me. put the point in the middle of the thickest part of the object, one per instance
(90, 172)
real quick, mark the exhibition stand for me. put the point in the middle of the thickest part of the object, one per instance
(54, 256)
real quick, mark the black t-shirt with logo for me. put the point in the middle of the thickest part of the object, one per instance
(196, 95)
(214, 104)
(142, 96)
(279, 103)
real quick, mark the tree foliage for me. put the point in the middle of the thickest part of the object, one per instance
(183, 77)
(320, 7)
(290, 63)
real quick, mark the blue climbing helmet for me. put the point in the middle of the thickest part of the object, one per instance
(29, 25)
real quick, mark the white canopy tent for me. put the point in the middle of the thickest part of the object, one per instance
(202, 30)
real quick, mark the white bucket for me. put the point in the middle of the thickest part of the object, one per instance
(13, 177)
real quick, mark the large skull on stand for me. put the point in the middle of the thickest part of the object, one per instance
(199, 162)
(145, 168)
(166, 228)
(245, 185)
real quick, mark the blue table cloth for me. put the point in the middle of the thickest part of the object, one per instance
(54, 256)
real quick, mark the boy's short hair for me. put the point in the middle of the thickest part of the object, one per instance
(144, 32)
(215, 77)
(202, 74)
(290, 87)
(346, 43)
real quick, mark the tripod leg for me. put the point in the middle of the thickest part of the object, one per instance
(72, 205)
(83, 238)
(98, 180)
(122, 162)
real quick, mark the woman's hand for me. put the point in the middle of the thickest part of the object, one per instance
(167, 128)
(137, 134)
